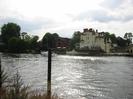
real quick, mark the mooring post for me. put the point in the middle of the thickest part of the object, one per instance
(49, 74)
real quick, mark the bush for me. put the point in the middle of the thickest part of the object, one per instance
(17, 90)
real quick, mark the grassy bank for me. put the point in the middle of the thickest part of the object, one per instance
(14, 88)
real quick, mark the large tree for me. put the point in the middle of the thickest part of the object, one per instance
(75, 40)
(128, 37)
(17, 45)
(49, 41)
(121, 42)
(10, 30)
(113, 38)
(108, 36)
(34, 42)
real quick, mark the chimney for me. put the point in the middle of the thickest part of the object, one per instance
(85, 30)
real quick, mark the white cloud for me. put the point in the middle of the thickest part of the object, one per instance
(66, 16)
(112, 4)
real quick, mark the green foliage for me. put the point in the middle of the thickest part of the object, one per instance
(128, 37)
(122, 42)
(113, 38)
(34, 43)
(107, 35)
(3, 76)
(16, 45)
(2, 45)
(13, 44)
(55, 35)
(17, 89)
(10, 30)
(49, 41)
(75, 40)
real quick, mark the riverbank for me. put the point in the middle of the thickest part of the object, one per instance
(80, 54)
(97, 54)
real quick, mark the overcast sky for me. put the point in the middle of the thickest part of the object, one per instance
(66, 16)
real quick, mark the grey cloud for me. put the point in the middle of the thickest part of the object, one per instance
(27, 25)
(95, 15)
(127, 18)
(103, 16)
(112, 4)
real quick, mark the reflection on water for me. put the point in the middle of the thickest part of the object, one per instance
(76, 77)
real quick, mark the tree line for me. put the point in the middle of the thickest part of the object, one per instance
(12, 40)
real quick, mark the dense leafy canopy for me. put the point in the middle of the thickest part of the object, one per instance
(10, 30)
(75, 40)
(49, 41)
(121, 42)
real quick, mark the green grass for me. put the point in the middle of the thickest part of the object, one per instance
(15, 89)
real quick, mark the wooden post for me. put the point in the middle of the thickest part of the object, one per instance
(49, 74)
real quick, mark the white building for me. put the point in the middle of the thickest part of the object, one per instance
(92, 40)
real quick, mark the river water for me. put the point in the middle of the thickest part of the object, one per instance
(75, 77)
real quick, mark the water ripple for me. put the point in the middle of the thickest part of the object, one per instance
(76, 77)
